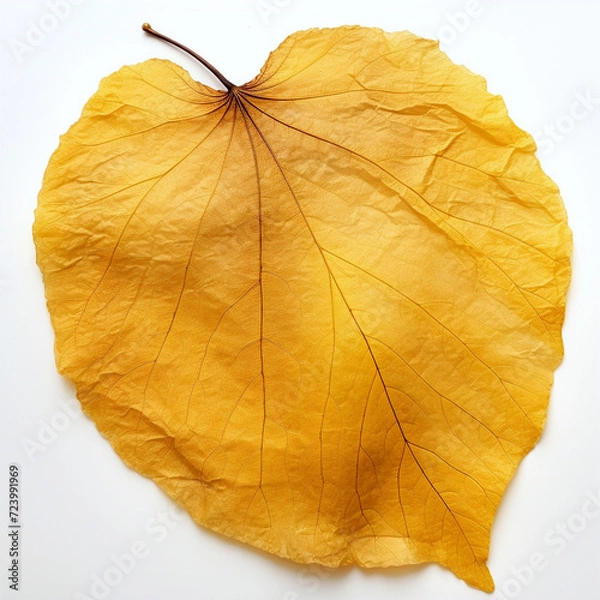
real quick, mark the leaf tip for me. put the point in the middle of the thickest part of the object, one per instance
(486, 583)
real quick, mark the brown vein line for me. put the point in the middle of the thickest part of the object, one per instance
(209, 341)
(268, 340)
(476, 456)
(393, 409)
(365, 339)
(283, 280)
(498, 179)
(456, 337)
(241, 468)
(248, 92)
(222, 316)
(379, 57)
(366, 159)
(230, 415)
(300, 98)
(544, 300)
(119, 104)
(408, 298)
(521, 293)
(261, 286)
(360, 447)
(399, 487)
(438, 393)
(163, 124)
(454, 468)
(308, 66)
(183, 100)
(145, 364)
(269, 63)
(102, 198)
(198, 89)
(476, 223)
(410, 397)
(108, 350)
(504, 188)
(120, 238)
(478, 525)
(259, 490)
(331, 365)
(187, 266)
(362, 425)
(419, 195)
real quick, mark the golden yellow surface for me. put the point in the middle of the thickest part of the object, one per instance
(322, 310)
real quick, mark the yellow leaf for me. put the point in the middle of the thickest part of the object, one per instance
(322, 310)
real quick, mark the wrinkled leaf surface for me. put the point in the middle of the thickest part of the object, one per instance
(322, 310)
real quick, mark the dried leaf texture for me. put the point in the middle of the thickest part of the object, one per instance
(321, 310)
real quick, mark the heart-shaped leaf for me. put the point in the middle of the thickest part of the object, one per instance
(322, 310)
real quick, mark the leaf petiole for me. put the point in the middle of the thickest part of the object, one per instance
(148, 29)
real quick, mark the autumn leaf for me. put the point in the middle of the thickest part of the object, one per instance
(321, 310)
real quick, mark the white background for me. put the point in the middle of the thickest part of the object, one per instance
(81, 504)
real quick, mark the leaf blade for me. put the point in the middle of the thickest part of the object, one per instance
(325, 316)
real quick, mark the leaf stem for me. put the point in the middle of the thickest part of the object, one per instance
(148, 29)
